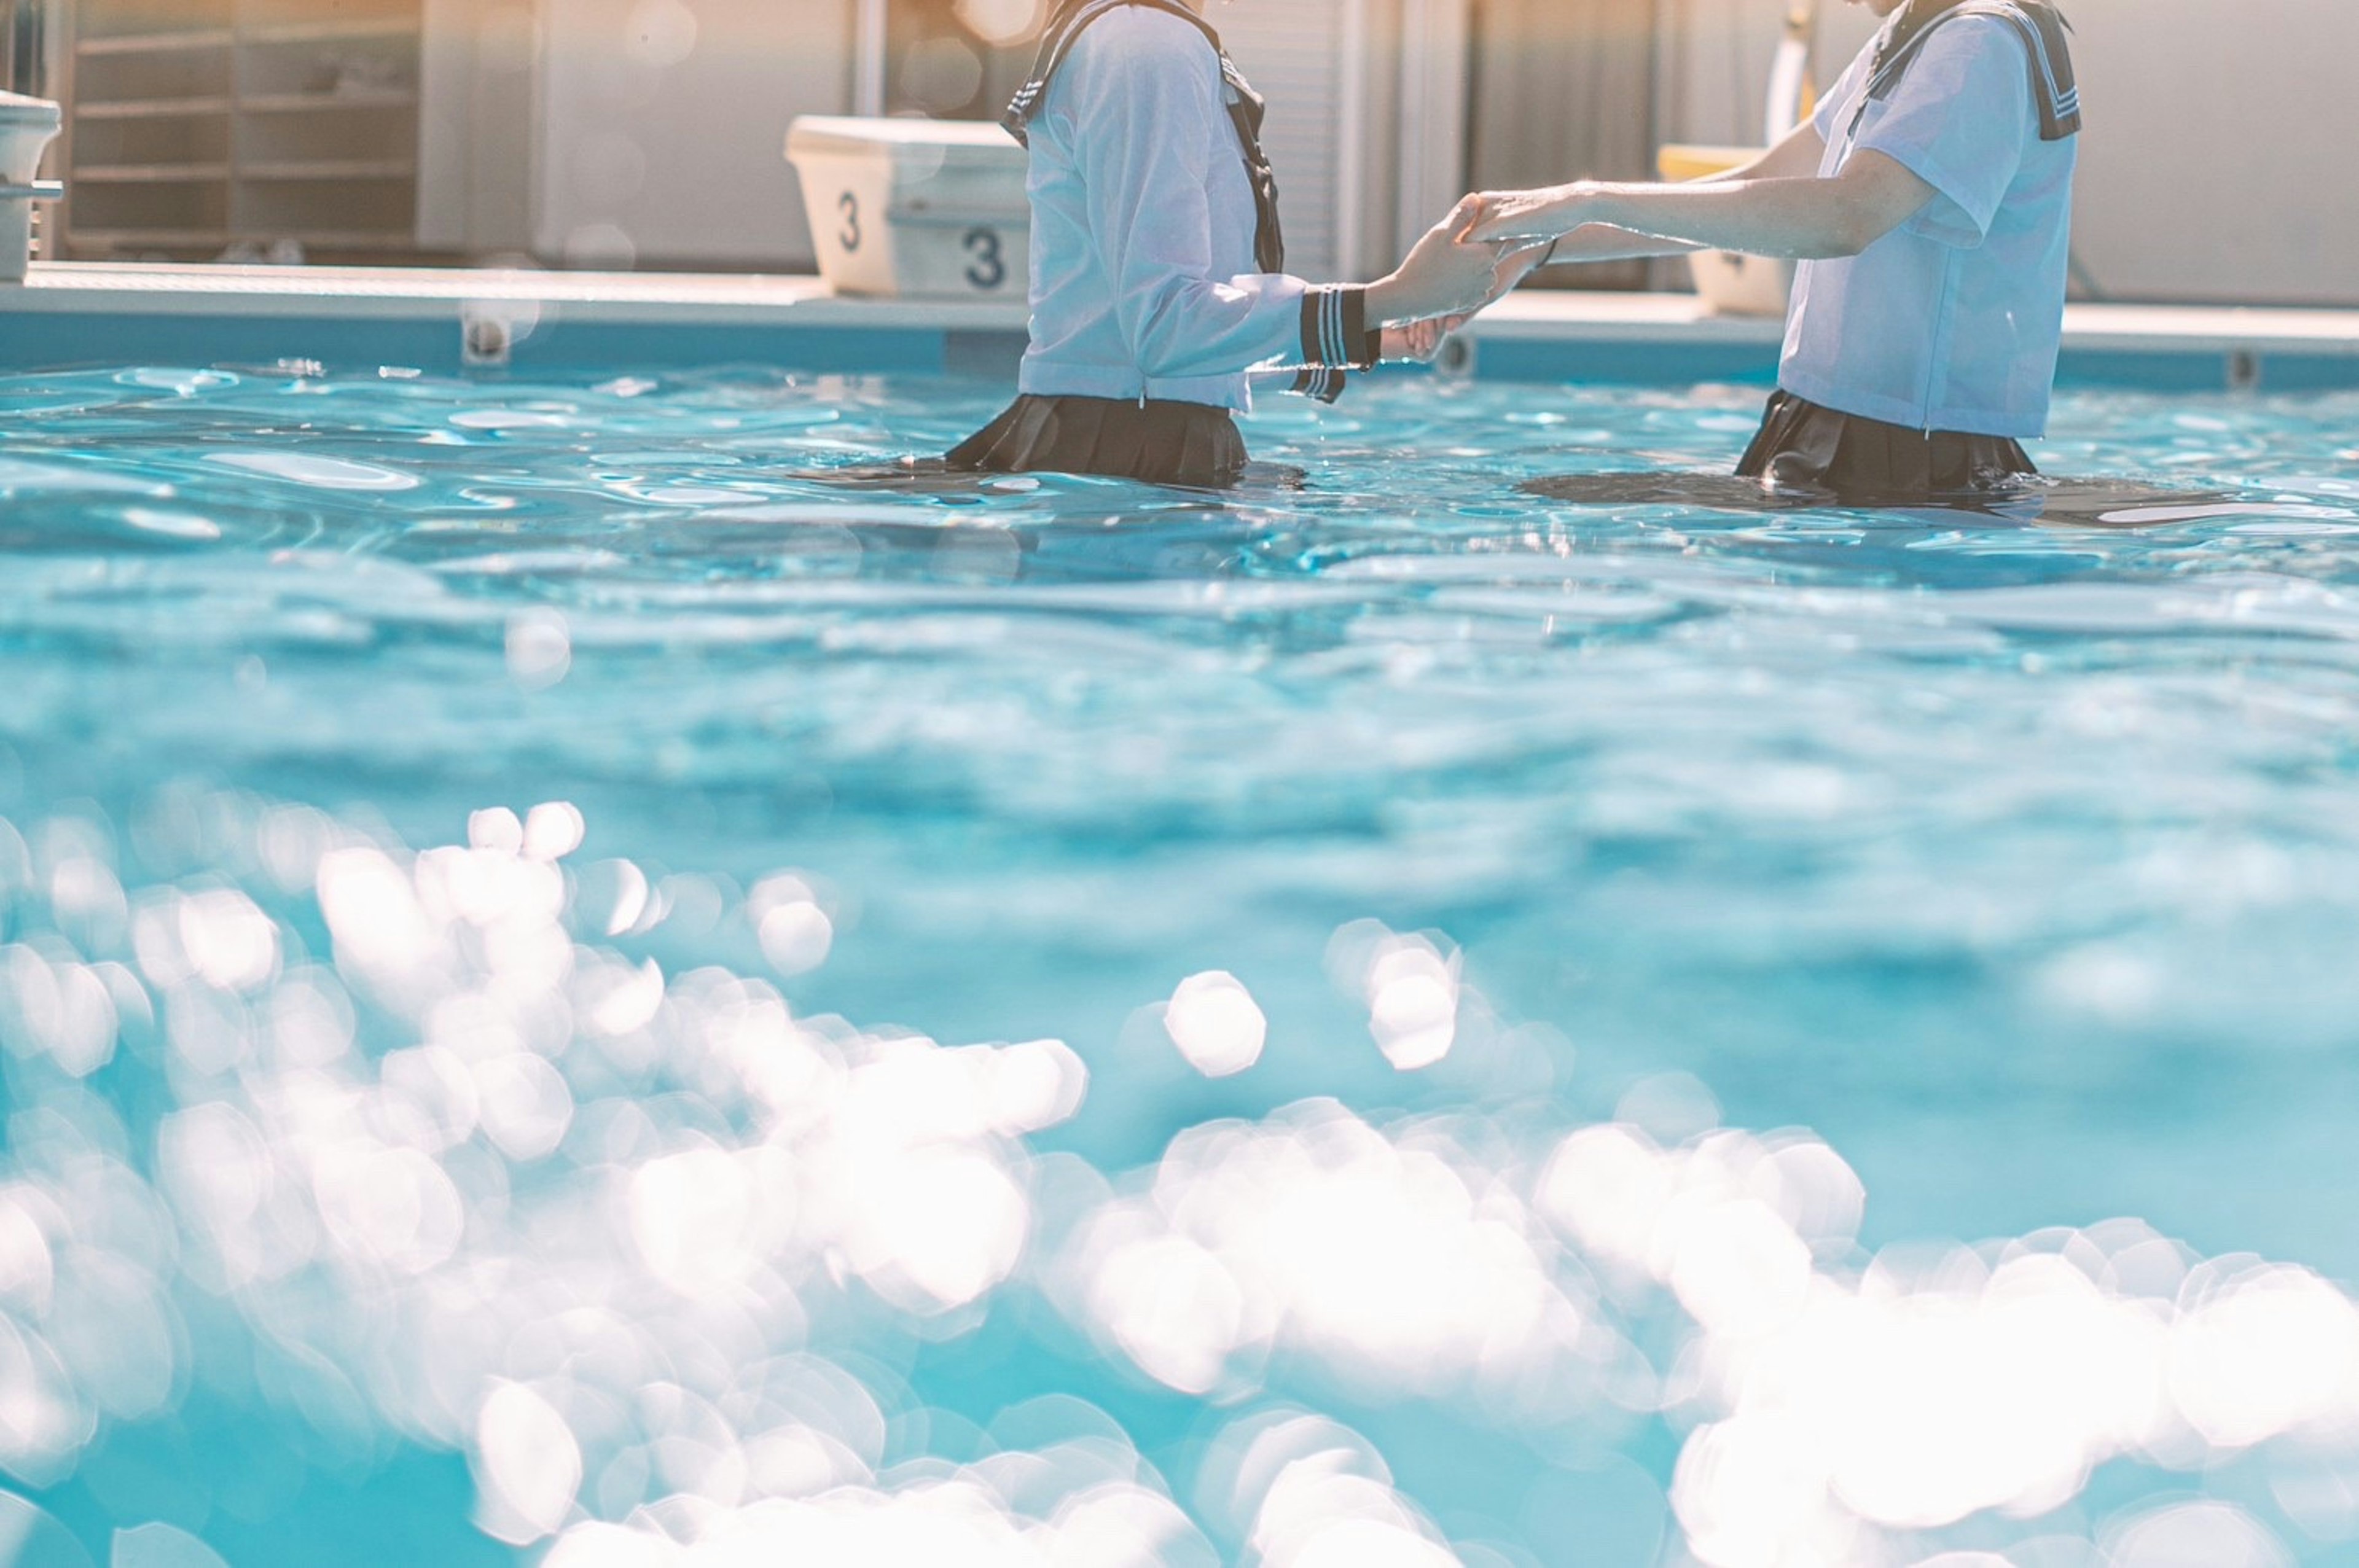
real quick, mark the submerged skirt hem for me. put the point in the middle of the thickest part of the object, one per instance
(1802, 446)
(1193, 444)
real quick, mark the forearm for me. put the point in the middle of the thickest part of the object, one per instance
(1798, 219)
(1797, 155)
(1181, 319)
(1603, 243)
(1184, 326)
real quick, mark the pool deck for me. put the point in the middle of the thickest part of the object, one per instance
(86, 313)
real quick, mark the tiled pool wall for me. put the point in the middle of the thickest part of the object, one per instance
(560, 324)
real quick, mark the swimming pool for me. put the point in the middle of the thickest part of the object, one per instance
(506, 879)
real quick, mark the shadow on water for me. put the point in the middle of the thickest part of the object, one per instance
(2033, 501)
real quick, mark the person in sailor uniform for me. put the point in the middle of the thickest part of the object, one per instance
(1928, 201)
(1157, 265)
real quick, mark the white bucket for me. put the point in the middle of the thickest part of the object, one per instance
(27, 126)
(915, 208)
(1734, 284)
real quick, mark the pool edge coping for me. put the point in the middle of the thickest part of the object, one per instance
(1532, 319)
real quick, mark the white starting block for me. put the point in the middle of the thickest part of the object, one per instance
(27, 126)
(915, 208)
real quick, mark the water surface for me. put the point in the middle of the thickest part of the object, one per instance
(502, 880)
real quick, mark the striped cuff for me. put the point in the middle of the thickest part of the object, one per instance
(1319, 382)
(1336, 336)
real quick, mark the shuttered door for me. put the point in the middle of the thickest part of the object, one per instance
(1565, 90)
(1309, 58)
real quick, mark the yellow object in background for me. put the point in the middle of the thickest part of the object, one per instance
(1679, 162)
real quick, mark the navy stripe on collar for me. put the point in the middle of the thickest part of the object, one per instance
(2046, 37)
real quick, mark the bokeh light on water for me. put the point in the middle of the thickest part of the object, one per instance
(587, 999)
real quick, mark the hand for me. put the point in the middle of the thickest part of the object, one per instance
(1539, 214)
(1518, 264)
(1423, 339)
(1441, 275)
(1420, 339)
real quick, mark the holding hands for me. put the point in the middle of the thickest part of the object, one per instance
(1508, 217)
(1446, 277)
(1421, 340)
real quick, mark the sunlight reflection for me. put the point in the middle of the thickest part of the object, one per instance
(1315, 1231)
(796, 933)
(482, 1174)
(1216, 1023)
(1411, 988)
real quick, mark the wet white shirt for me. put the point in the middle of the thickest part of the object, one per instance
(1143, 226)
(1953, 321)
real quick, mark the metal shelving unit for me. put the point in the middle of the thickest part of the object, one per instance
(194, 125)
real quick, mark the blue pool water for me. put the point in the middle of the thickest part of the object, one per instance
(565, 980)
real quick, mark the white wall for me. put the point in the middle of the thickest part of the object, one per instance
(664, 128)
(2217, 164)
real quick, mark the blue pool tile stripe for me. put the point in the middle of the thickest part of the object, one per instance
(82, 315)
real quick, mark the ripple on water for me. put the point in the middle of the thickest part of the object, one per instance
(181, 382)
(511, 419)
(173, 525)
(317, 472)
(24, 477)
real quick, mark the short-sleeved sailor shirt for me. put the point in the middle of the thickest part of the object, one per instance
(1953, 321)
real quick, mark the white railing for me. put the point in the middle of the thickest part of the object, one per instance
(868, 62)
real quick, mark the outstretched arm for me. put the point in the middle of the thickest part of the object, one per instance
(1795, 157)
(1838, 216)
(1768, 209)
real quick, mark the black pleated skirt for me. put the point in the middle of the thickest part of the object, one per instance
(1191, 444)
(1802, 446)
